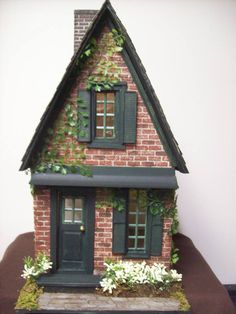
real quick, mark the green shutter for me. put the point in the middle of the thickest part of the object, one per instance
(119, 227)
(84, 116)
(130, 117)
(156, 235)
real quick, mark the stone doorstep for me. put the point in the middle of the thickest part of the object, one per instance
(93, 301)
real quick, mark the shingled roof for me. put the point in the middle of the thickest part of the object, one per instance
(107, 13)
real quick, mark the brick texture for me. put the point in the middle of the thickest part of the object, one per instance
(82, 20)
(42, 220)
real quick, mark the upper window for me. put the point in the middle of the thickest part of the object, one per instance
(107, 119)
(105, 116)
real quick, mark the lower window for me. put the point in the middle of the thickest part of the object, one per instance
(137, 221)
(136, 232)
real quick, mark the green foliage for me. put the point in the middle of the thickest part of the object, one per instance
(32, 189)
(113, 200)
(88, 51)
(34, 268)
(118, 38)
(119, 204)
(82, 118)
(157, 206)
(29, 295)
(129, 274)
(86, 171)
(107, 73)
(174, 254)
(64, 136)
(181, 297)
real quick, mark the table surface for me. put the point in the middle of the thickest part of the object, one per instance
(203, 290)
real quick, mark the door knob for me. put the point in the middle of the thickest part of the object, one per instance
(82, 228)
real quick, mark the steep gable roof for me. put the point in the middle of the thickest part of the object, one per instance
(140, 77)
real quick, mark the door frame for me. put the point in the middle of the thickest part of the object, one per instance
(56, 193)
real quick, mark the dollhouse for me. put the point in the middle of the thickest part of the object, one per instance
(102, 149)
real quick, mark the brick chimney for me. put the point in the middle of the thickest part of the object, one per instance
(82, 20)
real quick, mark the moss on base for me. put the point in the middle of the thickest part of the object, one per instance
(29, 295)
(181, 297)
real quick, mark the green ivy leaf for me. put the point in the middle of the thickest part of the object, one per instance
(63, 170)
(118, 49)
(86, 170)
(85, 114)
(67, 107)
(41, 168)
(85, 124)
(98, 88)
(79, 100)
(56, 168)
(87, 52)
(114, 31)
(72, 123)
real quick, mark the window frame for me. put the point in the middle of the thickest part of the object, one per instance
(73, 211)
(145, 253)
(104, 115)
(117, 141)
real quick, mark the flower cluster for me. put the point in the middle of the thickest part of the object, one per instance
(130, 274)
(34, 268)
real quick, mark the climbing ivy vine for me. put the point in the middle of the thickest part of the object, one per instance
(73, 119)
(63, 136)
(159, 206)
(107, 72)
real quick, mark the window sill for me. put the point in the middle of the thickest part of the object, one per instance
(137, 255)
(111, 145)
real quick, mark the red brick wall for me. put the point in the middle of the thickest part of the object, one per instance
(103, 230)
(42, 220)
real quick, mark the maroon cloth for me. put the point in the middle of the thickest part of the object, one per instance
(10, 271)
(204, 291)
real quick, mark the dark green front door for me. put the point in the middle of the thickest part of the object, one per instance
(75, 231)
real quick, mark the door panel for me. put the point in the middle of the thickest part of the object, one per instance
(71, 251)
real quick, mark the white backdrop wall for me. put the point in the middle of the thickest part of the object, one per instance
(188, 49)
